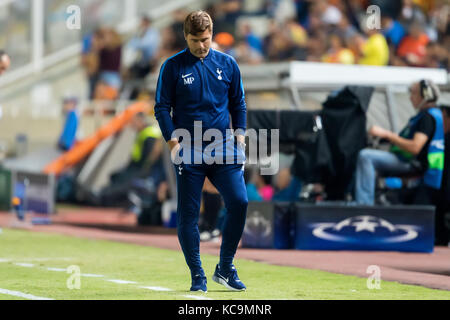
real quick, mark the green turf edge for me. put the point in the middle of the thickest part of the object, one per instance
(166, 268)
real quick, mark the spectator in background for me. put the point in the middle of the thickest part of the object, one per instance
(346, 30)
(329, 14)
(280, 46)
(337, 52)
(302, 8)
(436, 56)
(145, 44)
(170, 43)
(440, 18)
(146, 161)
(411, 149)
(179, 43)
(253, 41)
(282, 10)
(245, 54)
(276, 44)
(5, 62)
(69, 133)
(297, 33)
(393, 31)
(288, 188)
(374, 50)
(317, 46)
(146, 151)
(110, 59)
(224, 41)
(412, 13)
(90, 59)
(413, 47)
(446, 41)
(226, 14)
(315, 24)
(272, 30)
(264, 186)
(252, 190)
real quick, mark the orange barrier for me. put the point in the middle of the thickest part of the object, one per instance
(86, 146)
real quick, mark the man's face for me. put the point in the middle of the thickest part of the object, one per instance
(5, 62)
(415, 95)
(199, 44)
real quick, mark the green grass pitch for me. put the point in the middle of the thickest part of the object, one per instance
(26, 256)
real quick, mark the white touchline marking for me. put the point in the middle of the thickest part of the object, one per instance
(157, 288)
(25, 265)
(57, 269)
(34, 259)
(197, 297)
(22, 295)
(90, 275)
(48, 259)
(121, 281)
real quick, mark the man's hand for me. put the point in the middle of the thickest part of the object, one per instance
(174, 146)
(379, 132)
(240, 139)
(413, 145)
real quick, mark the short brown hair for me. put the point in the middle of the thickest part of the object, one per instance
(198, 22)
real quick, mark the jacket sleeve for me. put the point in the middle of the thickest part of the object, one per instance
(165, 99)
(237, 105)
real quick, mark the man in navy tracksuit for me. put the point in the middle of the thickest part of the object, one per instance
(202, 88)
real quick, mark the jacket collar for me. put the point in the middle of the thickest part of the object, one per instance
(194, 58)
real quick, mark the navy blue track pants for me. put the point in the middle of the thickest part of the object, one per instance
(229, 181)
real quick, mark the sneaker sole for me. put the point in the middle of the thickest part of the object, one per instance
(226, 285)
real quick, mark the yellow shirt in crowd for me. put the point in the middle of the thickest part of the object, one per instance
(375, 51)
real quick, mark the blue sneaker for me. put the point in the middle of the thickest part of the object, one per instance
(199, 284)
(229, 279)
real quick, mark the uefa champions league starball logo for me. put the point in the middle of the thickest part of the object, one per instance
(367, 228)
(257, 225)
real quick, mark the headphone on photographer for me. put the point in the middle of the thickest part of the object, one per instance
(429, 91)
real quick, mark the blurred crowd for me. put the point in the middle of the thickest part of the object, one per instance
(412, 33)
(409, 33)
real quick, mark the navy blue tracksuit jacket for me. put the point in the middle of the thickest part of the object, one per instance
(211, 91)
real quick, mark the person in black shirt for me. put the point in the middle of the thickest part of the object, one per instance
(409, 153)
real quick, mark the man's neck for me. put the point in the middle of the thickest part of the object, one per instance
(201, 59)
(426, 106)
